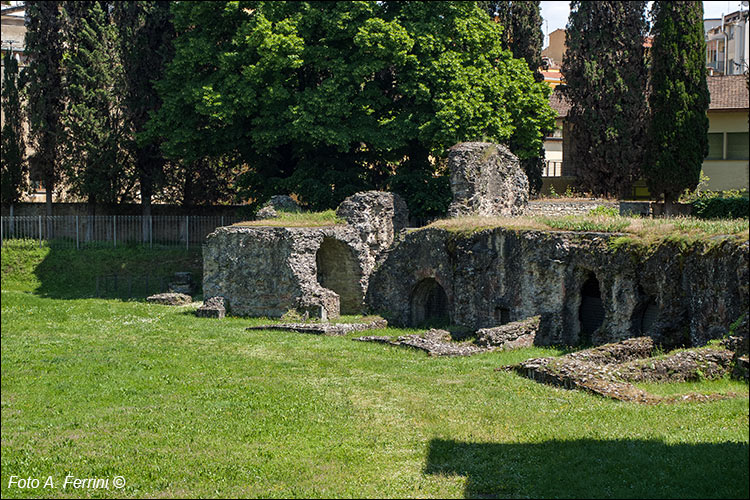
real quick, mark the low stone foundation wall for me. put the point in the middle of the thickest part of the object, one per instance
(586, 289)
(567, 207)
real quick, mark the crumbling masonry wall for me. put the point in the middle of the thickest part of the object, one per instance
(321, 271)
(679, 295)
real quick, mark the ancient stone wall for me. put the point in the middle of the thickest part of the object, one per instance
(567, 207)
(677, 295)
(320, 271)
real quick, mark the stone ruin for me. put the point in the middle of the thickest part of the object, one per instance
(585, 287)
(486, 179)
(320, 272)
(278, 203)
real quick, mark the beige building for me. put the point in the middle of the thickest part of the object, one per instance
(728, 139)
(556, 48)
(727, 48)
(13, 31)
(728, 135)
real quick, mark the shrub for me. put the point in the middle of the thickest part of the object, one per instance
(602, 210)
(722, 205)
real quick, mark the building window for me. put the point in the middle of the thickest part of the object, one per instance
(737, 146)
(715, 146)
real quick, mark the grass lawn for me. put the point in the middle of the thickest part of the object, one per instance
(181, 406)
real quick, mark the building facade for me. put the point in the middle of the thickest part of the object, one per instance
(726, 165)
(727, 49)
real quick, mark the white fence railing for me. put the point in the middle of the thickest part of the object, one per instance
(80, 231)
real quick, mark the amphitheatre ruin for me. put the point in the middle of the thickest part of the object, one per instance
(574, 288)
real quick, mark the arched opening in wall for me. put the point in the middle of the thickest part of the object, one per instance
(429, 304)
(591, 312)
(338, 270)
(648, 316)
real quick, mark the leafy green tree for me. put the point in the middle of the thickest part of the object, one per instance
(679, 100)
(95, 162)
(328, 98)
(44, 48)
(14, 165)
(145, 34)
(606, 78)
(522, 33)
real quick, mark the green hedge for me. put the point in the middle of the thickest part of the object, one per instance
(722, 205)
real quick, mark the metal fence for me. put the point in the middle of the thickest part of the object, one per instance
(78, 231)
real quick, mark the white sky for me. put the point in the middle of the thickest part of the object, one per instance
(555, 14)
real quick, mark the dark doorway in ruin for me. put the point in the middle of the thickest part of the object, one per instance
(338, 270)
(429, 304)
(648, 316)
(502, 315)
(591, 313)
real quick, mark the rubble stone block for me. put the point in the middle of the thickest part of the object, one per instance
(486, 179)
(213, 307)
(170, 299)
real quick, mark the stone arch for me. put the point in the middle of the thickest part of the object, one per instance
(591, 312)
(338, 270)
(429, 303)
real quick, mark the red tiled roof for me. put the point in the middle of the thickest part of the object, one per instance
(728, 92)
(559, 103)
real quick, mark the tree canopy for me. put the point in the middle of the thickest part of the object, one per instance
(324, 99)
(94, 158)
(44, 48)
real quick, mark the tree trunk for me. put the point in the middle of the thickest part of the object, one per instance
(48, 207)
(668, 205)
(48, 199)
(146, 212)
(90, 227)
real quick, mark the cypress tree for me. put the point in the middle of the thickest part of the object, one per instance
(679, 100)
(14, 166)
(145, 33)
(94, 159)
(44, 47)
(522, 34)
(606, 78)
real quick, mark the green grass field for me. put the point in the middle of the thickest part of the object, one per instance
(181, 406)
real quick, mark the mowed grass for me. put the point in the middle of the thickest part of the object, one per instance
(297, 219)
(182, 406)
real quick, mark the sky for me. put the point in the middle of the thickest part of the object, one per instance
(555, 14)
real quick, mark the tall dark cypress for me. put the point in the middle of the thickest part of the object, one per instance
(679, 100)
(523, 31)
(606, 77)
(94, 159)
(145, 32)
(44, 48)
(13, 160)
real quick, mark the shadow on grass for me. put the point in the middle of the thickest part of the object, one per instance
(127, 273)
(594, 469)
